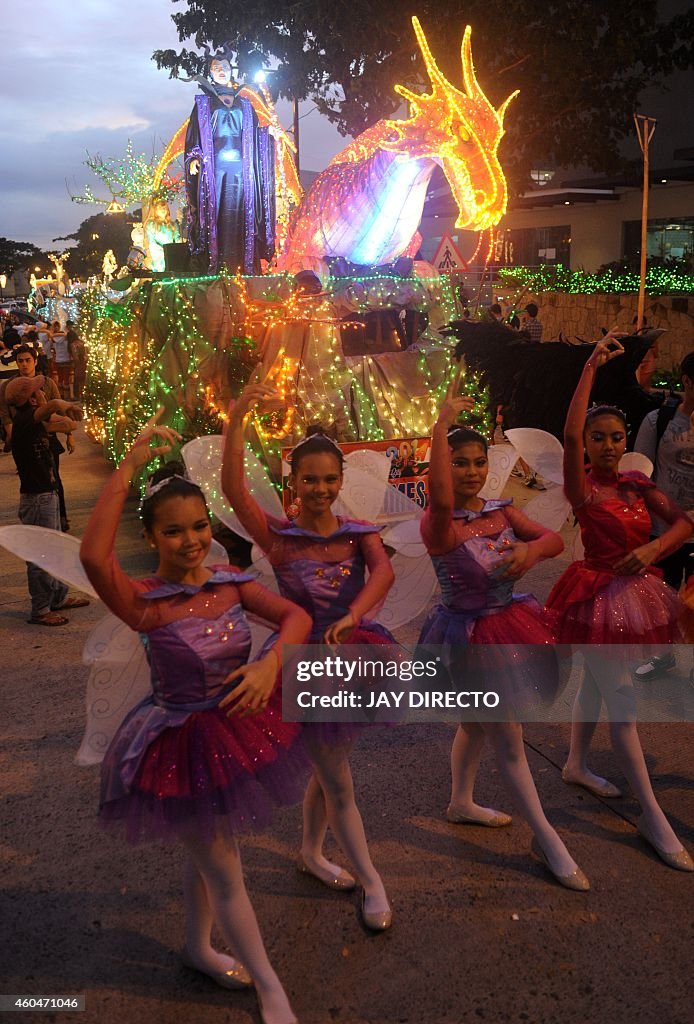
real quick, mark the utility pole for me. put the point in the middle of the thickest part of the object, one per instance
(645, 126)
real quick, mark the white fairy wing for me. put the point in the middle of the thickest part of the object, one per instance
(203, 459)
(542, 451)
(55, 552)
(406, 538)
(119, 679)
(502, 458)
(414, 586)
(217, 555)
(549, 508)
(636, 460)
(365, 485)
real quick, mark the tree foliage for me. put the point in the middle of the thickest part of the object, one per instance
(94, 237)
(20, 256)
(579, 65)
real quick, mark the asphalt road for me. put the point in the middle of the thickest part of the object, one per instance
(480, 933)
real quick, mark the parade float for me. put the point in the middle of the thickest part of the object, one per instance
(320, 294)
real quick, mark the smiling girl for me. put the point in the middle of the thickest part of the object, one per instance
(320, 562)
(207, 754)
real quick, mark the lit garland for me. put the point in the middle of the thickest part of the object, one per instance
(155, 347)
(659, 280)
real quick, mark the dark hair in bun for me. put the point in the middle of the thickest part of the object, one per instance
(604, 410)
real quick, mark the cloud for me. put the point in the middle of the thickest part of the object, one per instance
(83, 80)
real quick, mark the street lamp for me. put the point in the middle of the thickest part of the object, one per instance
(3, 282)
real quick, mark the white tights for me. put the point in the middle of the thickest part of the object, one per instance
(215, 890)
(609, 679)
(506, 739)
(329, 800)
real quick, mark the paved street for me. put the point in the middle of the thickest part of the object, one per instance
(481, 932)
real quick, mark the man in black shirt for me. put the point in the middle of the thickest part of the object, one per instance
(34, 419)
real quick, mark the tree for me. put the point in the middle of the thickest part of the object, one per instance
(580, 66)
(94, 237)
(20, 256)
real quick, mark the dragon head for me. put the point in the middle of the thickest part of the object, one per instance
(461, 132)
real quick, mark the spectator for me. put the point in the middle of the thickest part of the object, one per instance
(530, 322)
(26, 365)
(63, 363)
(34, 419)
(666, 436)
(78, 355)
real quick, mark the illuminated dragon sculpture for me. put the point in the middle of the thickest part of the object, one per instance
(367, 204)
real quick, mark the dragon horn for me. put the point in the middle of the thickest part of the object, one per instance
(471, 85)
(502, 109)
(429, 62)
(411, 97)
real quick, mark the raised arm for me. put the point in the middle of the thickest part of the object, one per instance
(97, 551)
(436, 525)
(575, 484)
(250, 514)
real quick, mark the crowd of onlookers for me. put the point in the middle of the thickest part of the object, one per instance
(60, 353)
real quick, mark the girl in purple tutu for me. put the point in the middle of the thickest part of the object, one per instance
(207, 755)
(613, 597)
(319, 562)
(479, 548)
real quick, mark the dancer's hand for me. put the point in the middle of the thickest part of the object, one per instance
(194, 167)
(638, 559)
(339, 630)
(454, 405)
(264, 397)
(69, 444)
(257, 681)
(141, 452)
(516, 562)
(606, 349)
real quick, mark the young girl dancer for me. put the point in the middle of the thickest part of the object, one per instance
(207, 754)
(478, 549)
(319, 562)
(611, 598)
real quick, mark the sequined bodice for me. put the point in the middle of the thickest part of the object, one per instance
(323, 575)
(611, 528)
(191, 656)
(324, 589)
(468, 575)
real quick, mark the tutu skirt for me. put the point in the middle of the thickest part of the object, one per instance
(588, 606)
(510, 650)
(171, 773)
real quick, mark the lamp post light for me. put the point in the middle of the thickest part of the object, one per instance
(3, 283)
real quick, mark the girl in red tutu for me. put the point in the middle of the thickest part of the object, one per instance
(319, 562)
(479, 548)
(207, 754)
(612, 597)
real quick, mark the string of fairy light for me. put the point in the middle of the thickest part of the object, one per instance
(148, 349)
(659, 280)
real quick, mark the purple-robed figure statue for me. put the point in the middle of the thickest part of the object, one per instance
(230, 177)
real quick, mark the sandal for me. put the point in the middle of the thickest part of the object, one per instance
(72, 602)
(48, 619)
